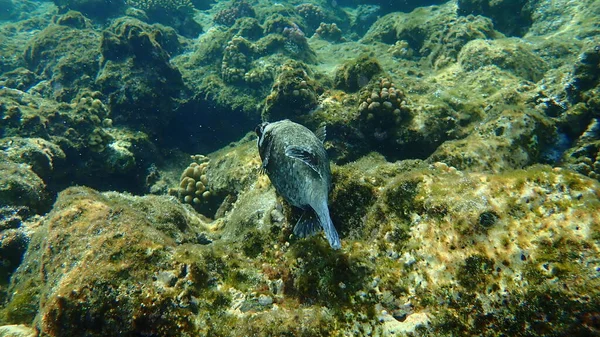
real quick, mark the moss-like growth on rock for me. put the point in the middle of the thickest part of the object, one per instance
(356, 74)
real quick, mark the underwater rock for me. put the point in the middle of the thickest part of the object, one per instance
(507, 54)
(366, 15)
(99, 9)
(584, 156)
(76, 142)
(585, 73)
(74, 19)
(515, 24)
(20, 186)
(14, 38)
(66, 57)
(13, 243)
(20, 79)
(294, 94)
(512, 140)
(136, 76)
(17, 330)
(109, 239)
(45, 158)
(436, 32)
(178, 14)
(238, 9)
(578, 23)
(414, 233)
(329, 32)
(357, 73)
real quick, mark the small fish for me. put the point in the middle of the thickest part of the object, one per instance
(296, 162)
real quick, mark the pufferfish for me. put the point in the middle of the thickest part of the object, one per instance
(297, 165)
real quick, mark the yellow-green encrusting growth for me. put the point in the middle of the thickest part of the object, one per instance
(193, 186)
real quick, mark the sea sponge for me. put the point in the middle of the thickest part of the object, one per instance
(193, 186)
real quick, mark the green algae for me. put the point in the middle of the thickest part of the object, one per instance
(474, 272)
(355, 74)
(319, 276)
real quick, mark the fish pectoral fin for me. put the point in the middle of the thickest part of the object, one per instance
(321, 133)
(307, 225)
(265, 157)
(305, 156)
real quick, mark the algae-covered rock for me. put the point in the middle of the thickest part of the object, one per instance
(514, 139)
(357, 73)
(507, 54)
(20, 186)
(141, 84)
(412, 234)
(100, 9)
(19, 78)
(74, 142)
(17, 330)
(66, 56)
(109, 239)
(41, 155)
(584, 155)
(435, 32)
(178, 14)
(515, 24)
(294, 93)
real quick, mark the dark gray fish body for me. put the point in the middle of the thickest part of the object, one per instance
(297, 165)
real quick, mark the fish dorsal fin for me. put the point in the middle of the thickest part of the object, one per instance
(321, 133)
(304, 155)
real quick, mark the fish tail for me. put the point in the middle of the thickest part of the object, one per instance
(307, 225)
(328, 228)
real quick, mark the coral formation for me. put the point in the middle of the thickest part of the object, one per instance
(147, 95)
(237, 10)
(174, 13)
(162, 5)
(235, 60)
(193, 186)
(357, 73)
(514, 25)
(329, 32)
(383, 108)
(312, 14)
(294, 93)
(465, 168)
